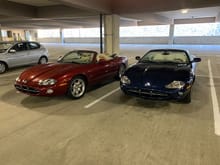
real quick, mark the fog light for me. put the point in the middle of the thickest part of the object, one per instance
(49, 91)
(180, 93)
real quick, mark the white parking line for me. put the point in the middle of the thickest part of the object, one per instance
(214, 101)
(101, 98)
(207, 76)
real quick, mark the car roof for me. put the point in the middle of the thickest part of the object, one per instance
(169, 49)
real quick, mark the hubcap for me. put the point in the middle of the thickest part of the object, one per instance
(2, 68)
(43, 60)
(78, 87)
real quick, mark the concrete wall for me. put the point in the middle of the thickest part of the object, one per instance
(204, 40)
(142, 40)
(49, 40)
(81, 40)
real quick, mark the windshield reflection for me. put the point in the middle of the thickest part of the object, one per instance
(78, 57)
(168, 57)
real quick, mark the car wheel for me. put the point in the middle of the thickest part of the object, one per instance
(42, 60)
(121, 71)
(77, 87)
(187, 98)
(3, 67)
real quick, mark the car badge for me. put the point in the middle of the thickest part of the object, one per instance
(24, 81)
(147, 84)
(146, 69)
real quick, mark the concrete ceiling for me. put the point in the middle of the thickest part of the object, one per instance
(37, 14)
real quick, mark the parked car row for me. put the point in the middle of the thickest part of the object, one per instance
(162, 74)
(15, 54)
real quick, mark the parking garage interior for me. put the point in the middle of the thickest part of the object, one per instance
(105, 126)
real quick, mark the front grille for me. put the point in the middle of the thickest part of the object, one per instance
(26, 89)
(148, 93)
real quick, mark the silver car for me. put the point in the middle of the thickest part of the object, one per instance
(14, 54)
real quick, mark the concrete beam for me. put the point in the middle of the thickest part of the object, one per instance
(125, 6)
(101, 6)
(63, 11)
(195, 20)
(14, 9)
(148, 18)
(218, 17)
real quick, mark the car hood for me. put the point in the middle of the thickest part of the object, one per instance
(157, 74)
(47, 71)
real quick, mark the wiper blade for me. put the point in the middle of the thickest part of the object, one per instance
(148, 61)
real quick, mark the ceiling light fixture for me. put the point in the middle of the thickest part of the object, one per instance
(184, 11)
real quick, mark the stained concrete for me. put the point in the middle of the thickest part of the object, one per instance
(119, 130)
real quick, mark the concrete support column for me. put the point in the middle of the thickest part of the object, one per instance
(27, 35)
(111, 34)
(171, 34)
(61, 36)
(1, 39)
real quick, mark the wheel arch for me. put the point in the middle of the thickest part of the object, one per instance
(7, 67)
(80, 75)
(43, 56)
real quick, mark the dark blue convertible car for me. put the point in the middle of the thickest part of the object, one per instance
(161, 74)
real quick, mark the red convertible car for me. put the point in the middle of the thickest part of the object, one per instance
(71, 75)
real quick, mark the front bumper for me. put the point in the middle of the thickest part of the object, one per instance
(41, 90)
(155, 94)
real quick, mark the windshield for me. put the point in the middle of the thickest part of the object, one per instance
(4, 47)
(78, 57)
(166, 56)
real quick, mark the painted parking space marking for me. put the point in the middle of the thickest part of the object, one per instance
(207, 76)
(101, 98)
(214, 101)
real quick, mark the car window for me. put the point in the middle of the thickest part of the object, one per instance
(79, 57)
(34, 45)
(4, 47)
(20, 47)
(166, 57)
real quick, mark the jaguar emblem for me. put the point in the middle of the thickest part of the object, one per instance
(147, 84)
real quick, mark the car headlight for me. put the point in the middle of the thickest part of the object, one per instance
(125, 80)
(18, 79)
(47, 82)
(175, 85)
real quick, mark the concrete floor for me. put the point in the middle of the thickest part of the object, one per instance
(117, 130)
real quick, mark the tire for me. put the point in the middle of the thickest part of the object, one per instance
(121, 71)
(3, 67)
(43, 60)
(77, 87)
(187, 98)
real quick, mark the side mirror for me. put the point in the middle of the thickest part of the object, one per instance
(12, 51)
(59, 58)
(196, 59)
(138, 58)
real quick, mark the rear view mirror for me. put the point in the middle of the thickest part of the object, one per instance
(196, 59)
(12, 51)
(138, 58)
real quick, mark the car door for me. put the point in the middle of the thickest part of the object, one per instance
(113, 67)
(19, 56)
(98, 71)
(34, 52)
